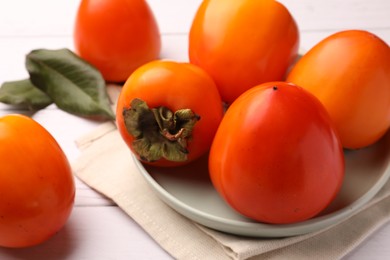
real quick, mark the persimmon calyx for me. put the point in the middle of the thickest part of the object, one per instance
(159, 132)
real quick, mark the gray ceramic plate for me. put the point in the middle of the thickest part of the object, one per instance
(189, 191)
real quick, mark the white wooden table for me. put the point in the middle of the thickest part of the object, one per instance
(98, 229)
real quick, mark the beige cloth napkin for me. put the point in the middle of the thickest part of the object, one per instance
(106, 166)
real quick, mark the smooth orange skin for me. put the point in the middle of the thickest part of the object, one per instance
(276, 157)
(37, 188)
(175, 86)
(349, 72)
(116, 36)
(242, 43)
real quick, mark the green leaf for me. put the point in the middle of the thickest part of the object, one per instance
(24, 94)
(74, 85)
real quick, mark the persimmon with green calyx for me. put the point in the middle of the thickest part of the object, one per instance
(168, 112)
(37, 187)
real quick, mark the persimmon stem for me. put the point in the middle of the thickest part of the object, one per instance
(159, 132)
(172, 137)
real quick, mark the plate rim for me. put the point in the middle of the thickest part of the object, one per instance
(258, 229)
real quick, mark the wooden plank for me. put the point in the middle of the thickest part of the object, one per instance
(56, 18)
(339, 15)
(94, 233)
